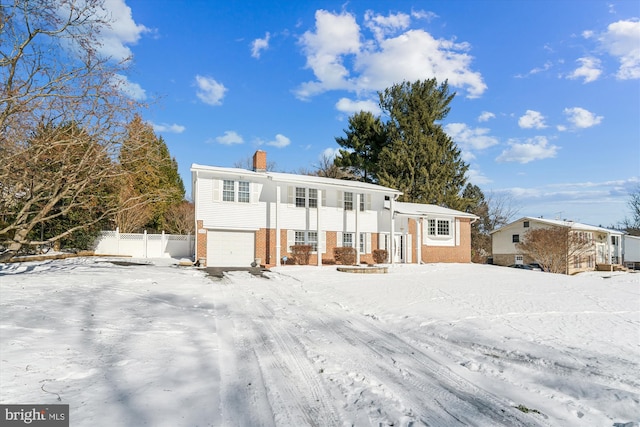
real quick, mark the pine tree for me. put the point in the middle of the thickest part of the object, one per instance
(420, 159)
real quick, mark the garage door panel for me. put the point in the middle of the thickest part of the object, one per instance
(230, 248)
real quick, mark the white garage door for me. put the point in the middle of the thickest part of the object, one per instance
(230, 248)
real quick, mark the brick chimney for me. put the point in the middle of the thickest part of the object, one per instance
(260, 161)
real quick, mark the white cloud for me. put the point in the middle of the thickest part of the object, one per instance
(477, 177)
(164, 127)
(581, 118)
(209, 91)
(589, 70)
(537, 148)
(468, 138)
(230, 137)
(132, 90)
(350, 106)
(421, 14)
(384, 60)
(281, 141)
(259, 45)
(122, 31)
(532, 119)
(621, 41)
(382, 26)
(329, 153)
(485, 116)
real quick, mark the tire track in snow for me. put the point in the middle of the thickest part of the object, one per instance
(381, 373)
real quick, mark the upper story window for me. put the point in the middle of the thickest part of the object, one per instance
(362, 203)
(235, 191)
(306, 197)
(526, 224)
(348, 201)
(439, 227)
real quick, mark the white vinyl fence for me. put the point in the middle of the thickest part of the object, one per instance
(143, 245)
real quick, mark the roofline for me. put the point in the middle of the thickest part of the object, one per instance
(563, 223)
(296, 179)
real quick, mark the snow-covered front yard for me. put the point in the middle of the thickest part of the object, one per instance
(438, 344)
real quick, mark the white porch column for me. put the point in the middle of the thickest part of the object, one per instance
(419, 239)
(357, 238)
(392, 246)
(278, 255)
(319, 229)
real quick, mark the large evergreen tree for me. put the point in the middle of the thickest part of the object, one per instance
(365, 138)
(420, 159)
(152, 184)
(410, 151)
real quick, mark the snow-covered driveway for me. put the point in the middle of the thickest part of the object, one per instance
(435, 345)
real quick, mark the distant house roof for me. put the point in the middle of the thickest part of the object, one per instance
(420, 209)
(561, 223)
(298, 179)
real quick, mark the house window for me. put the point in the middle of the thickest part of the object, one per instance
(519, 259)
(232, 191)
(362, 204)
(443, 228)
(590, 262)
(577, 262)
(438, 227)
(228, 191)
(348, 201)
(301, 197)
(526, 224)
(313, 198)
(307, 238)
(347, 240)
(515, 238)
(243, 192)
(363, 243)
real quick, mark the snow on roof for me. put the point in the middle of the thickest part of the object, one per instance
(295, 178)
(421, 209)
(563, 223)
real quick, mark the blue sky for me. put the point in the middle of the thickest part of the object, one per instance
(547, 106)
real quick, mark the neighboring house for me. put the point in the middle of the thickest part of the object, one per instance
(606, 249)
(245, 216)
(631, 251)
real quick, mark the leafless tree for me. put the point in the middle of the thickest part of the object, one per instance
(180, 219)
(62, 113)
(555, 247)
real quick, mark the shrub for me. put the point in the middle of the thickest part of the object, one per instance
(301, 253)
(345, 256)
(328, 261)
(380, 256)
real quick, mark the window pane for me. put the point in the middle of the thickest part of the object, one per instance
(515, 238)
(347, 240)
(243, 192)
(313, 240)
(443, 227)
(362, 203)
(432, 227)
(228, 191)
(313, 198)
(362, 243)
(348, 201)
(299, 240)
(300, 197)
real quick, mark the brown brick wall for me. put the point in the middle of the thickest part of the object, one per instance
(461, 253)
(201, 242)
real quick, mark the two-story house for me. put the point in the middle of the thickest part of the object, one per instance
(605, 248)
(245, 216)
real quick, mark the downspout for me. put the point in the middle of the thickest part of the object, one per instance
(319, 229)
(392, 245)
(357, 239)
(278, 253)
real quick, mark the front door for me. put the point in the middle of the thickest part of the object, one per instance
(399, 248)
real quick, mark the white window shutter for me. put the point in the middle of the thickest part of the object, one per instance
(290, 190)
(368, 202)
(216, 190)
(339, 239)
(381, 241)
(367, 243)
(291, 240)
(322, 242)
(341, 199)
(324, 198)
(254, 187)
(409, 247)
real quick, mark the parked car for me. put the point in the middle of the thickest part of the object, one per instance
(526, 267)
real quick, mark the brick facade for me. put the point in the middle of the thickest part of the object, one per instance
(201, 243)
